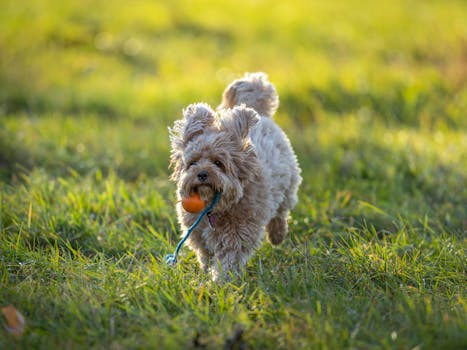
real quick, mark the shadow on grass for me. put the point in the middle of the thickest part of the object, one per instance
(58, 160)
(37, 104)
(400, 104)
(14, 160)
(364, 184)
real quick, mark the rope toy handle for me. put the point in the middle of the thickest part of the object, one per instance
(171, 259)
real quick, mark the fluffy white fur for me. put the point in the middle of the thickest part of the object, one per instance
(242, 153)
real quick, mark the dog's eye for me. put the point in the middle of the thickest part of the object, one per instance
(191, 163)
(219, 164)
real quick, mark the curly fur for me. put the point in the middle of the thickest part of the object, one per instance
(242, 153)
(255, 91)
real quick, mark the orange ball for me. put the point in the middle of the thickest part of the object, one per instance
(193, 204)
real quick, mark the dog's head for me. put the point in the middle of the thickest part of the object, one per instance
(212, 153)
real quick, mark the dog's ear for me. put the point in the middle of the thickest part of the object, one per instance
(196, 119)
(239, 121)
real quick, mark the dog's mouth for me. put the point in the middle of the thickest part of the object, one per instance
(203, 185)
(206, 191)
(203, 188)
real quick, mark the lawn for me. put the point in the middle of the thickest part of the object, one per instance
(374, 100)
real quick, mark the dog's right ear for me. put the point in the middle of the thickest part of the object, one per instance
(239, 121)
(197, 118)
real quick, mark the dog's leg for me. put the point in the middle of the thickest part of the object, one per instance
(277, 229)
(203, 257)
(228, 263)
(196, 243)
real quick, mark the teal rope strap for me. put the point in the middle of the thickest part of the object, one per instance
(171, 259)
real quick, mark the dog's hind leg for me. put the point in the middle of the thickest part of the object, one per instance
(277, 229)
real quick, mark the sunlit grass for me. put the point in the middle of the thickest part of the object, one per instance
(373, 99)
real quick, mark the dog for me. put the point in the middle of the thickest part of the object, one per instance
(240, 152)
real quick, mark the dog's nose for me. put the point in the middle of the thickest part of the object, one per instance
(203, 175)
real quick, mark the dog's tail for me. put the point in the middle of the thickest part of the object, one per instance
(253, 90)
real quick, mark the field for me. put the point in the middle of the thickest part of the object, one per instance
(374, 100)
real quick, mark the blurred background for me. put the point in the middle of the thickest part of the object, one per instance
(141, 59)
(373, 98)
(373, 94)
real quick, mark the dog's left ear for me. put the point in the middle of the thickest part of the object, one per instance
(197, 118)
(239, 121)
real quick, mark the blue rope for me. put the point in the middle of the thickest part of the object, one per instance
(171, 259)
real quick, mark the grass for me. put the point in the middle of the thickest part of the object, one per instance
(374, 99)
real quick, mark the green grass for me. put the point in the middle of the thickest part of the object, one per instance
(374, 99)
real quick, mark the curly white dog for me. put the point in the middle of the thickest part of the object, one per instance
(243, 154)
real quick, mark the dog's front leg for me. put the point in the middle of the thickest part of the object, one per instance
(197, 244)
(232, 253)
(227, 265)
